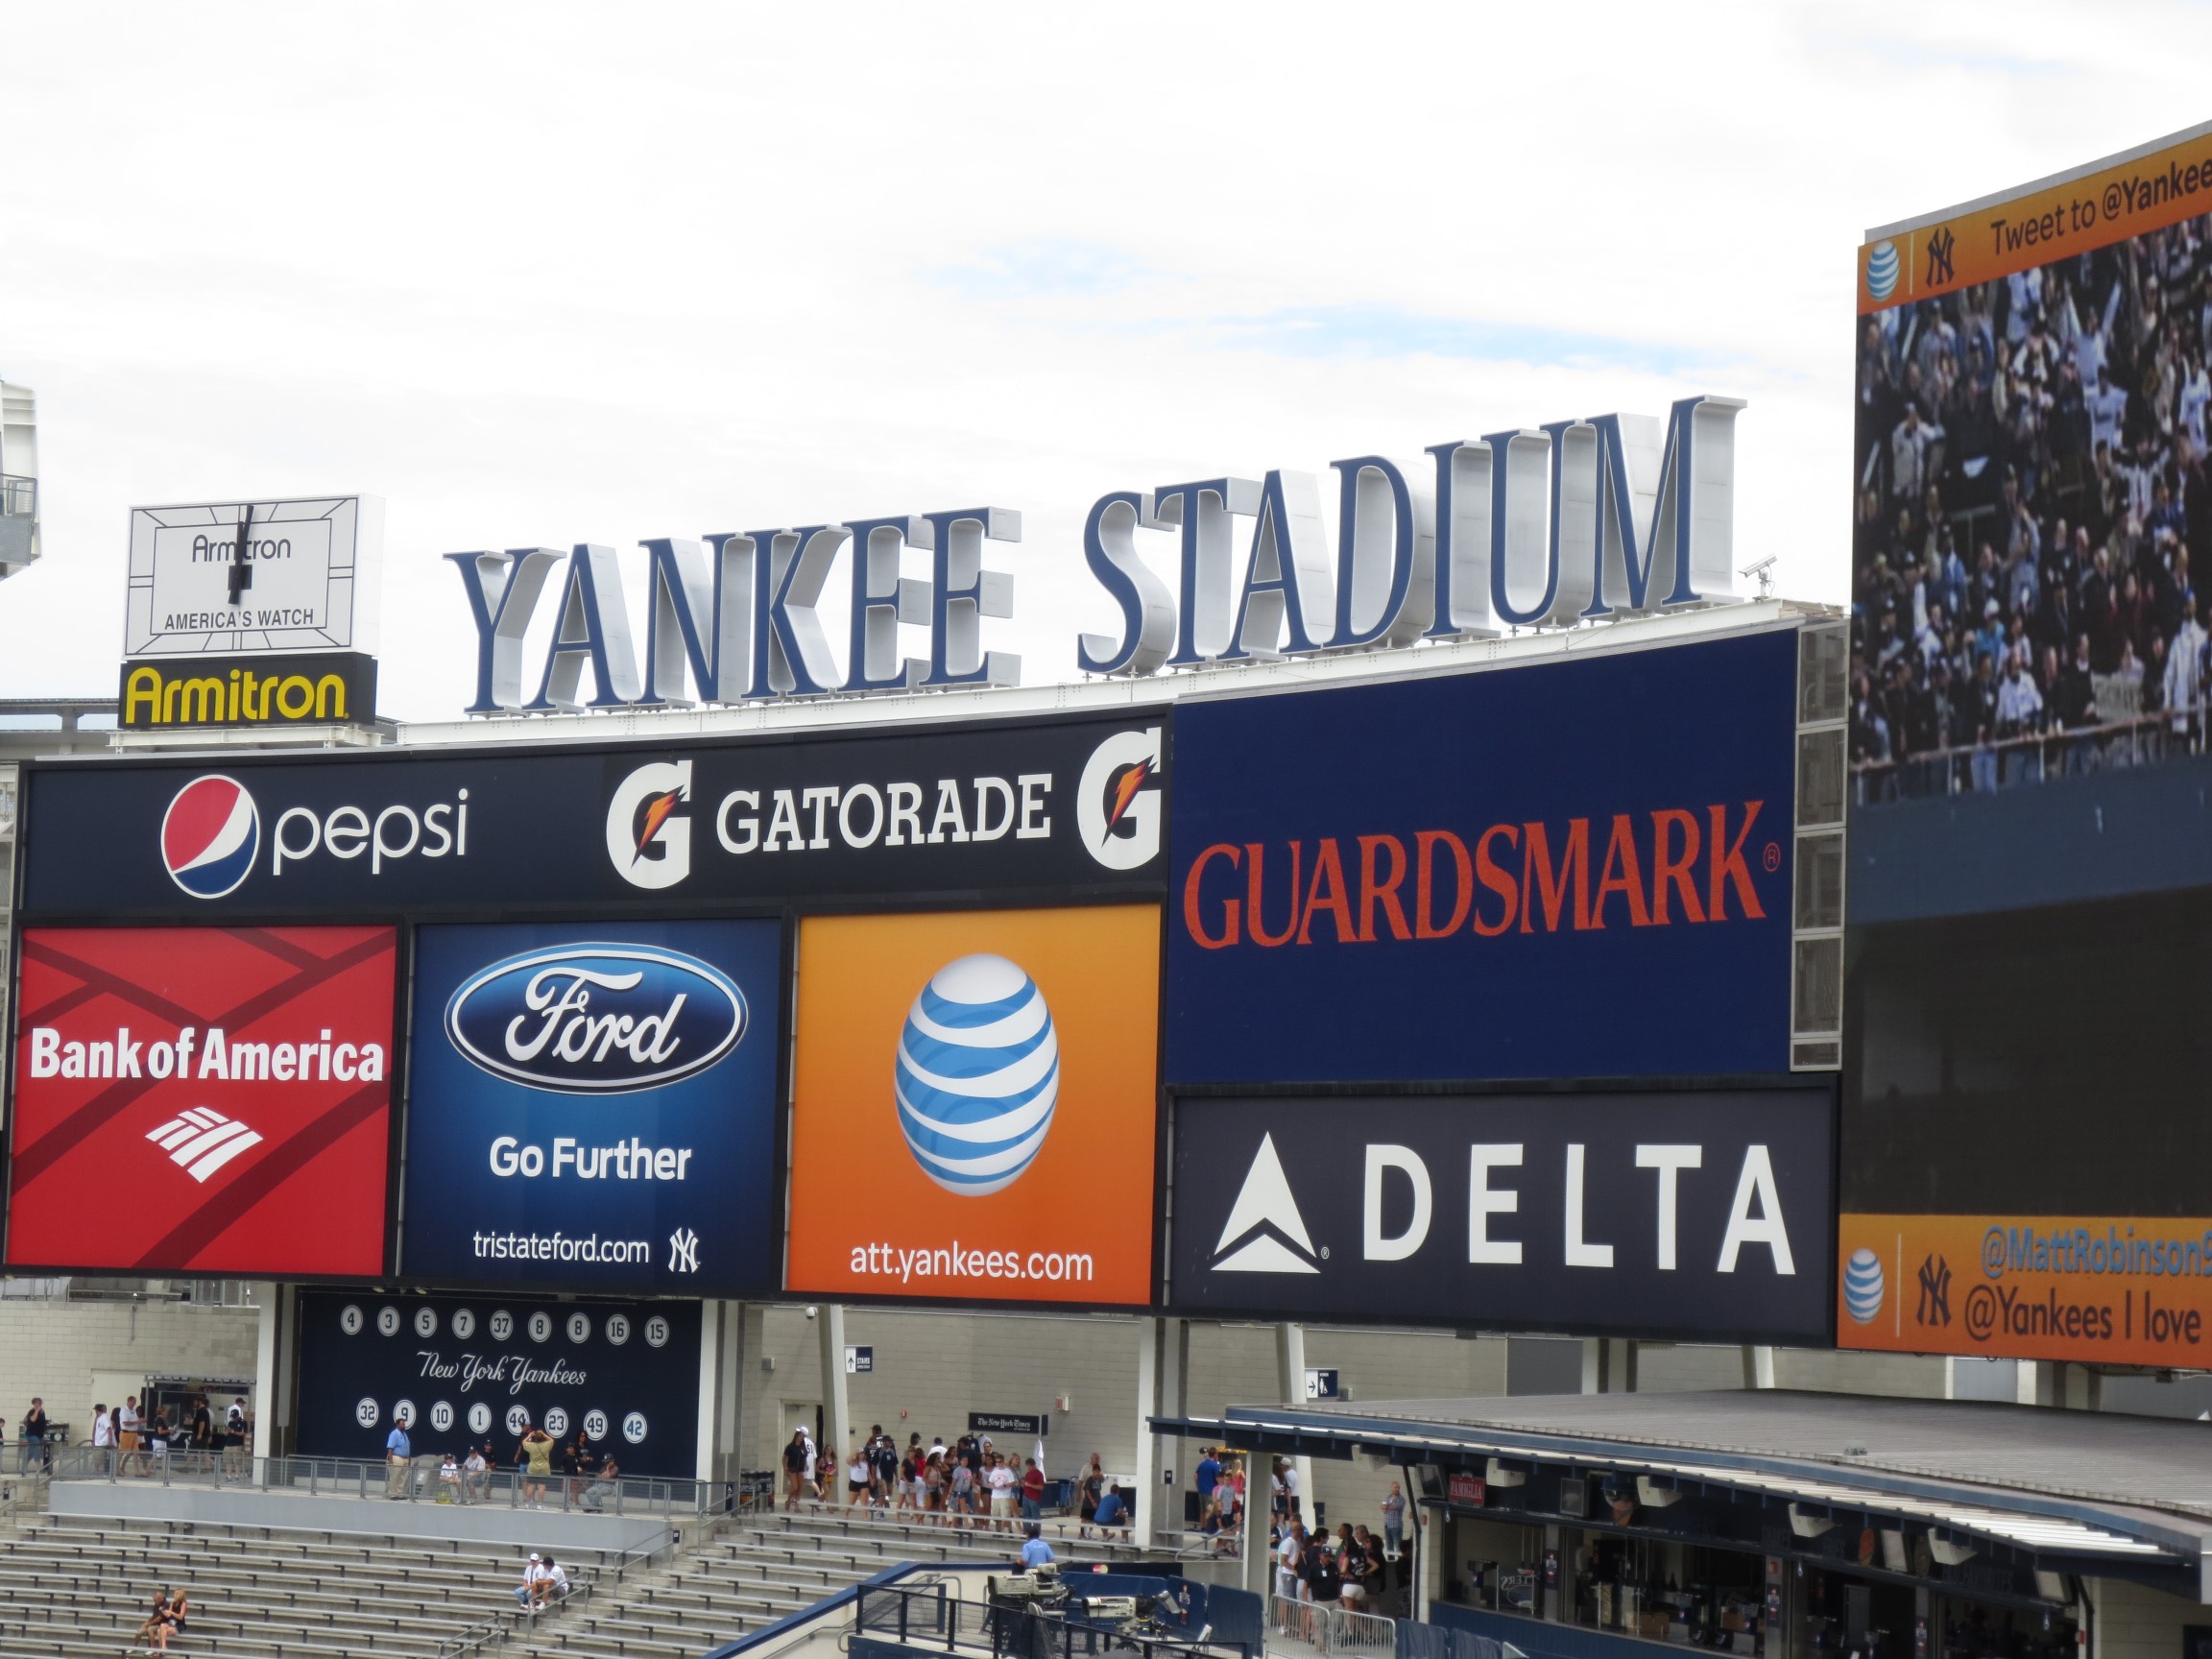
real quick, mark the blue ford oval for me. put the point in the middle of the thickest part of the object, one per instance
(596, 1018)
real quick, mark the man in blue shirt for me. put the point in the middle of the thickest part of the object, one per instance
(1035, 1552)
(1209, 1476)
(399, 1453)
(1112, 1511)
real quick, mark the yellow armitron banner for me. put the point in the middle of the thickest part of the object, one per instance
(322, 689)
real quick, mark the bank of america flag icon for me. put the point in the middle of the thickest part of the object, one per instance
(201, 1140)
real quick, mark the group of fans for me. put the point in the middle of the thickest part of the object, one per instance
(1309, 1565)
(969, 1483)
(2032, 501)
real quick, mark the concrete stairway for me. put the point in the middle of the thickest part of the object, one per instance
(757, 1570)
(71, 1587)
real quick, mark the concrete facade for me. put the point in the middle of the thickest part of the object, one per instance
(54, 1348)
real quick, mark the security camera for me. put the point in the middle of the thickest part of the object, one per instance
(810, 1313)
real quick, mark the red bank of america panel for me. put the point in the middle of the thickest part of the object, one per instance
(201, 1099)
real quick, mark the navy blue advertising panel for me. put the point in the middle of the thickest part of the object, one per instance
(594, 1107)
(1704, 1215)
(1574, 870)
(462, 1372)
(1032, 805)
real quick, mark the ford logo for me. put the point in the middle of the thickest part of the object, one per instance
(596, 1018)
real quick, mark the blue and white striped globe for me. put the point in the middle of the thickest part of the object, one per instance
(1862, 1286)
(1881, 270)
(977, 1075)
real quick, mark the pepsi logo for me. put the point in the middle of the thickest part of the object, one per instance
(596, 1018)
(211, 836)
(977, 1075)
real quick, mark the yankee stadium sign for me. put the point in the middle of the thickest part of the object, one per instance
(1615, 514)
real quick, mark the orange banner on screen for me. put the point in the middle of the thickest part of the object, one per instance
(972, 1106)
(2037, 227)
(2129, 1290)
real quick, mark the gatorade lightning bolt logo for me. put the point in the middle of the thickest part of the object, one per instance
(1126, 791)
(1117, 800)
(657, 811)
(211, 836)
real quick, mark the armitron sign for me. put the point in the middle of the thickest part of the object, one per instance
(255, 577)
(328, 688)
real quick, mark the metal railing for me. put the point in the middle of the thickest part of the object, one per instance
(419, 1480)
(1115, 1541)
(18, 496)
(1331, 1628)
(497, 1628)
(929, 1617)
(1442, 1642)
(2015, 762)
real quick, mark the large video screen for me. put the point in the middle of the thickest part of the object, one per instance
(594, 1107)
(212, 1100)
(2028, 874)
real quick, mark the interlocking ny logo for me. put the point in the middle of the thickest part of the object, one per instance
(1934, 1291)
(683, 1251)
(1940, 247)
(201, 1140)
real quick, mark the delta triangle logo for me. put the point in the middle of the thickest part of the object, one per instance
(1264, 1223)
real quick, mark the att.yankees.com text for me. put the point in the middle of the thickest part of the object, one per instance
(958, 1261)
(561, 1247)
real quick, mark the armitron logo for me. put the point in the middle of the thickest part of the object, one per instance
(648, 839)
(201, 1140)
(1117, 802)
(1265, 1233)
(211, 836)
(594, 1018)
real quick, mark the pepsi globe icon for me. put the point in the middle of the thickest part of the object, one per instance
(977, 1075)
(1862, 1286)
(211, 835)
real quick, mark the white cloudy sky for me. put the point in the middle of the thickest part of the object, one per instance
(553, 274)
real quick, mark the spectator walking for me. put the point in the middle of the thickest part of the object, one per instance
(1032, 1492)
(1208, 1475)
(102, 1441)
(238, 1439)
(399, 1456)
(201, 1427)
(130, 1430)
(798, 1465)
(857, 1477)
(34, 1448)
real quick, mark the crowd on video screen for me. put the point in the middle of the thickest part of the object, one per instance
(2032, 501)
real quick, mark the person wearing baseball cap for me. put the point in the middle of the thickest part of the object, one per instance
(527, 1593)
